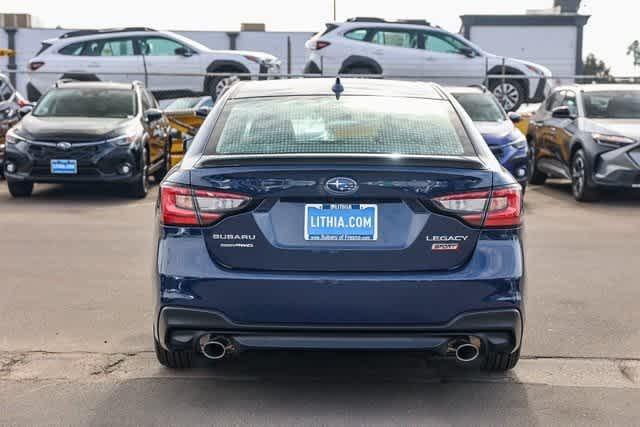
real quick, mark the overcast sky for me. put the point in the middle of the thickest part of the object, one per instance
(613, 25)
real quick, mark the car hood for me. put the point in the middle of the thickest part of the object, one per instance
(69, 128)
(260, 55)
(623, 127)
(498, 133)
(517, 63)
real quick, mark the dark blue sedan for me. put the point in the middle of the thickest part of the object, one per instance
(314, 214)
(497, 127)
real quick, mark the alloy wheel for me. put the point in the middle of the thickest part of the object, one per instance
(223, 84)
(578, 176)
(507, 94)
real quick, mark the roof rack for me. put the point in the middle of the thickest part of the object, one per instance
(423, 22)
(79, 33)
(64, 81)
(415, 22)
(365, 19)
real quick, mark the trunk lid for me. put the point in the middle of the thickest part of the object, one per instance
(293, 220)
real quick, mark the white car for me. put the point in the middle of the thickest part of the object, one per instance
(415, 49)
(169, 64)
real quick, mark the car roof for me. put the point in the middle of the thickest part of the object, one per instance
(322, 86)
(596, 87)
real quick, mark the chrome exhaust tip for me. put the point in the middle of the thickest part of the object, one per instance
(467, 353)
(216, 348)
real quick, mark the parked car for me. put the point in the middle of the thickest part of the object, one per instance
(589, 134)
(193, 103)
(498, 129)
(10, 103)
(303, 219)
(415, 49)
(89, 132)
(123, 55)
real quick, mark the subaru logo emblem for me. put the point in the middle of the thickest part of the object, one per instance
(64, 146)
(341, 185)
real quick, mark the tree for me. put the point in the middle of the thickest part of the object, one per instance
(634, 49)
(595, 67)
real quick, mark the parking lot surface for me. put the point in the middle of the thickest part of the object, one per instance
(75, 305)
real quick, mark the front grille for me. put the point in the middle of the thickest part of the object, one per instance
(45, 152)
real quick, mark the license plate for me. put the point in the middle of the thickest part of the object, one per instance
(64, 167)
(340, 222)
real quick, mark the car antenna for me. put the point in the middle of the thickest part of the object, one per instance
(337, 88)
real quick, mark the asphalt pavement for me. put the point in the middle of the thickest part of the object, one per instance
(75, 305)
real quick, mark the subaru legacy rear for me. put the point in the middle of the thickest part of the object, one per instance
(319, 214)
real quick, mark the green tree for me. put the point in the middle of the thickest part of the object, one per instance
(595, 67)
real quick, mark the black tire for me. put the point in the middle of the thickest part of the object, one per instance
(535, 176)
(140, 186)
(19, 189)
(166, 165)
(511, 96)
(582, 186)
(217, 85)
(173, 359)
(500, 361)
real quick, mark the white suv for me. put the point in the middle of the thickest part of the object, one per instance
(415, 49)
(128, 54)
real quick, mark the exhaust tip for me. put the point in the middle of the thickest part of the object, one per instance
(214, 350)
(467, 352)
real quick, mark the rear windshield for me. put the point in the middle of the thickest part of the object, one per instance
(87, 102)
(612, 104)
(481, 107)
(351, 124)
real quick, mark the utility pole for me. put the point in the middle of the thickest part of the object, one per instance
(334, 11)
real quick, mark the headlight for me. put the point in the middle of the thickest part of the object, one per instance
(13, 138)
(535, 70)
(615, 140)
(126, 139)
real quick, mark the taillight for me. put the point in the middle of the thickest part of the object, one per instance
(501, 207)
(33, 66)
(183, 206)
(319, 44)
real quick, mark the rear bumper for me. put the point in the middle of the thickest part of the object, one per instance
(619, 168)
(180, 328)
(194, 296)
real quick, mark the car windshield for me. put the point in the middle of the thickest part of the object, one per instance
(481, 107)
(87, 102)
(612, 104)
(183, 104)
(351, 124)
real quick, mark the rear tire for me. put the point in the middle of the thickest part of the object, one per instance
(173, 359)
(582, 186)
(535, 176)
(20, 189)
(501, 361)
(511, 95)
(217, 85)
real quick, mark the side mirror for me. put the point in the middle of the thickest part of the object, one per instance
(186, 142)
(514, 117)
(468, 52)
(183, 51)
(152, 115)
(562, 112)
(24, 110)
(203, 111)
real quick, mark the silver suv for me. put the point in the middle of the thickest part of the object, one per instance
(170, 65)
(415, 49)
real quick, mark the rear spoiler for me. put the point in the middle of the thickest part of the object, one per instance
(464, 162)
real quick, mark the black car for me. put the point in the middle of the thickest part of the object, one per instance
(589, 134)
(89, 132)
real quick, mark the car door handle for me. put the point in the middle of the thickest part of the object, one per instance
(93, 65)
(429, 58)
(378, 52)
